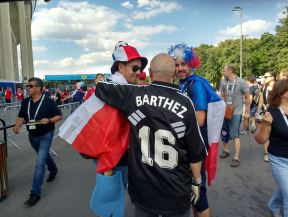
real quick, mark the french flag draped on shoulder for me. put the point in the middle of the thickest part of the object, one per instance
(215, 118)
(97, 130)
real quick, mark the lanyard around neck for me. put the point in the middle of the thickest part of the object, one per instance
(283, 114)
(38, 107)
(233, 86)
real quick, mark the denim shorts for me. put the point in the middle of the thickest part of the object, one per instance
(253, 111)
(231, 128)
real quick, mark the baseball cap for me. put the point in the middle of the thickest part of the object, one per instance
(125, 53)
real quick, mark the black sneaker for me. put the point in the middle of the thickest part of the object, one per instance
(51, 177)
(33, 199)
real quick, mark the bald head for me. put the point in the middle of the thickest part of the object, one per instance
(162, 67)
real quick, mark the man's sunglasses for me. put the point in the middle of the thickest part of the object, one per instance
(135, 68)
(31, 85)
(267, 76)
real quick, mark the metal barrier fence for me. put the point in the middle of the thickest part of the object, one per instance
(10, 114)
(66, 110)
(3, 106)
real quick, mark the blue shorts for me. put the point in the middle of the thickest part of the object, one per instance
(253, 111)
(202, 203)
(231, 128)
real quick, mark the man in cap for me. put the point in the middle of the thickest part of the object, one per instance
(128, 64)
(126, 68)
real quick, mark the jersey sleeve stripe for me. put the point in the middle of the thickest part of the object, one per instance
(180, 135)
(132, 120)
(177, 124)
(140, 114)
(136, 117)
(180, 129)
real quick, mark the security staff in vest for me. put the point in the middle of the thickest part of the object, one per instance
(40, 113)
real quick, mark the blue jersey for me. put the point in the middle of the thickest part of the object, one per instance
(197, 92)
(196, 88)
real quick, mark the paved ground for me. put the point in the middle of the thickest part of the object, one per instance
(237, 192)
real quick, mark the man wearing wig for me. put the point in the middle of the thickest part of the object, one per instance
(202, 94)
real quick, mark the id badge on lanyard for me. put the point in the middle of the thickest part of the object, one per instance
(32, 122)
(32, 125)
(229, 99)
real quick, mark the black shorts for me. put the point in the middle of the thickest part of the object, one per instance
(202, 203)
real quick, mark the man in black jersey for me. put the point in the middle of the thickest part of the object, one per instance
(166, 147)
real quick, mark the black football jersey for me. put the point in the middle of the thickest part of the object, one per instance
(165, 138)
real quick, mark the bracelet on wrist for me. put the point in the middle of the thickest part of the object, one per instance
(197, 181)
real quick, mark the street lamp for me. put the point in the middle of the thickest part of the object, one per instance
(237, 8)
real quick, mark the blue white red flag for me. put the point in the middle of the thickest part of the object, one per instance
(215, 118)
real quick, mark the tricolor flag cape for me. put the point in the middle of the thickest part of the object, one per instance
(98, 130)
(215, 118)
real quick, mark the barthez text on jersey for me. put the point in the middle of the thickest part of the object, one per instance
(161, 101)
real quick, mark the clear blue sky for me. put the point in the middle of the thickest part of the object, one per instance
(71, 37)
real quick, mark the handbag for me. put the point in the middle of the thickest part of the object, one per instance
(229, 112)
(229, 108)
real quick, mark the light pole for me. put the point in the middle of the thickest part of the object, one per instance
(237, 8)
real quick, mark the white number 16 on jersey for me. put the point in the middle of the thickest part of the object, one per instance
(161, 150)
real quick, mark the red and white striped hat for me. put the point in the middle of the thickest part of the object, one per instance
(125, 53)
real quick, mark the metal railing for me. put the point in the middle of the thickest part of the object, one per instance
(10, 114)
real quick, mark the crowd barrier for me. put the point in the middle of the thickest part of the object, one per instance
(10, 114)
(3, 106)
(3, 162)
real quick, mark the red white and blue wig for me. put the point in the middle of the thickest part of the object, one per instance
(184, 53)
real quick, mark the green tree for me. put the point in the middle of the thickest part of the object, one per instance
(282, 41)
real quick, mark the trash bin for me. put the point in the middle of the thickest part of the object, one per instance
(3, 171)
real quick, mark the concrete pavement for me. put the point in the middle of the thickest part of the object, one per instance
(237, 192)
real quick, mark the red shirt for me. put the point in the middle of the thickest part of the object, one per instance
(19, 95)
(89, 93)
(8, 94)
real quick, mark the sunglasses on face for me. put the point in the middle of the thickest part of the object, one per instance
(135, 68)
(268, 76)
(30, 85)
